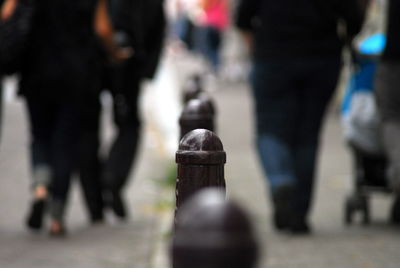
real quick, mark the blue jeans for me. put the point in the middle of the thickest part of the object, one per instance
(55, 127)
(291, 96)
(208, 42)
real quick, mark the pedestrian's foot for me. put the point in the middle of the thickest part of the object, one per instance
(395, 211)
(35, 217)
(300, 227)
(97, 221)
(118, 206)
(283, 209)
(38, 206)
(57, 229)
(281, 220)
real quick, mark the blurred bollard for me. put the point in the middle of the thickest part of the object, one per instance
(192, 88)
(205, 97)
(198, 113)
(200, 160)
(213, 233)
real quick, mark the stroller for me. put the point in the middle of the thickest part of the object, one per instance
(361, 130)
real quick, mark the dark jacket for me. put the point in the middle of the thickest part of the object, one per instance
(288, 28)
(392, 50)
(61, 51)
(144, 22)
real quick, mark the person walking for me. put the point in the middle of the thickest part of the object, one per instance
(139, 25)
(388, 102)
(58, 75)
(296, 55)
(214, 21)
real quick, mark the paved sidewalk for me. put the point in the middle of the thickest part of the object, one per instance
(332, 244)
(143, 241)
(116, 245)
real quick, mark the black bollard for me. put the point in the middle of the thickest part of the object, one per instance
(198, 113)
(213, 233)
(192, 88)
(200, 160)
(205, 97)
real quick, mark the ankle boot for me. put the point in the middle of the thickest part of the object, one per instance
(282, 199)
(395, 211)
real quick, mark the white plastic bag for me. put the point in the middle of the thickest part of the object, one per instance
(362, 123)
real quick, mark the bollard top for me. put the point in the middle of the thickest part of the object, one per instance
(211, 229)
(197, 109)
(201, 146)
(205, 97)
(192, 88)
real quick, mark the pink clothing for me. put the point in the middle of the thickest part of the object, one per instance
(217, 15)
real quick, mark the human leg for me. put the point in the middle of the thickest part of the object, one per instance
(41, 121)
(317, 86)
(388, 103)
(118, 164)
(212, 46)
(275, 98)
(90, 166)
(64, 151)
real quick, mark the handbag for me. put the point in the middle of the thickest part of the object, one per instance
(14, 37)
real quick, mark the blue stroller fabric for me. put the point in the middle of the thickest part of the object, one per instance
(362, 78)
(373, 44)
(360, 117)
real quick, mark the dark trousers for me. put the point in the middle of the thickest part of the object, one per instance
(291, 96)
(1, 105)
(111, 173)
(388, 101)
(55, 129)
(89, 166)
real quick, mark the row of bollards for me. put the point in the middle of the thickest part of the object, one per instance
(209, 231)
(199, 109)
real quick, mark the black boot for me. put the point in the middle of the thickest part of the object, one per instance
(299, 226)
(118, 205)
(35, 217)
(395, 211)
(282, 199)
(113, 200)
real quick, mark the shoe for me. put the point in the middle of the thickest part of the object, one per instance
(395, 211)
(97, 221)
(113, 200)
(118, 205)
(35, 218)
(299, 226)
(282, 198)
